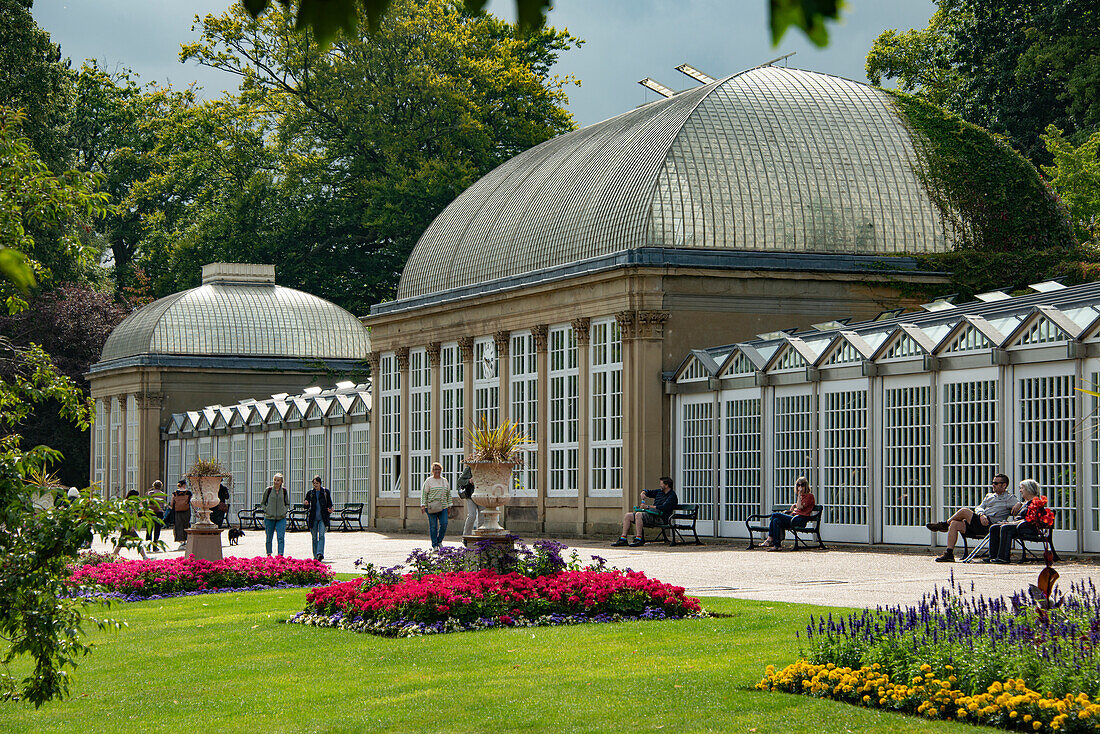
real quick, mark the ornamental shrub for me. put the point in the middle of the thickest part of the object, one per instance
(189, 574)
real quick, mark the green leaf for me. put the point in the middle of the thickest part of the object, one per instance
(255, 7)
(808, 15)
(15, 268)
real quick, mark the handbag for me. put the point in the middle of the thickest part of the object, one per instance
(169, 516)
(435, 507)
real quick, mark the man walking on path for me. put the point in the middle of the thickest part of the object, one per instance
(995, 507)
(276, 503)
(318, 509)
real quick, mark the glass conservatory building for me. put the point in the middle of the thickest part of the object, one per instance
(238, 335)
(318, 432)
(900, 421)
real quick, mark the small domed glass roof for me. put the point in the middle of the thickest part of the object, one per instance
(768, 160)
(239, 311)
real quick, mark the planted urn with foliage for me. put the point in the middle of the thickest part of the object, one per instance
(204, 477)
(494, 453)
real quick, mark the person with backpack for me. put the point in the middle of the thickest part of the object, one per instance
(181, 513)
(466, 488)
(276, 503)
(318, 510)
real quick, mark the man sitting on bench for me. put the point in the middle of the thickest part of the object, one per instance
(657, 506)
(996, 507)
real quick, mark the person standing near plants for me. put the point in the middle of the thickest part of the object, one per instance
(181, 513)
(318, 510)
(217, 515)
(276, 502)
(156, 494)
(466, 492)
(435, 498)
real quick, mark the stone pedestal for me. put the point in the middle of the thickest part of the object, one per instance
(498, 551)
(205, 543)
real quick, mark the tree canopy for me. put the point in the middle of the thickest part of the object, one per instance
(1010, 66)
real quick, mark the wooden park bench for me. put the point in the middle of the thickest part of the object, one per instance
(761, 524)
(349, 513)
(254, 516)
(682, 519)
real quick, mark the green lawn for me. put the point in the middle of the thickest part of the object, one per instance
(224, 663)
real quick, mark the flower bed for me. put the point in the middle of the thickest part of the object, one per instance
(134, 580)
(542, 590)
(1010, 704)
(1013, 663)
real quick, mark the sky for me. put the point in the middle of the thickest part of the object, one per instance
(625, 41)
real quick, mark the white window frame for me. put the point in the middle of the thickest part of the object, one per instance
(695, 453)
(962, 484)
(238, 467)
(359, 463)
(844, 457)
(99, 455)
(563, 437)
(523, 394)
(276, 458)
(338, 463)
(486, 383)
(908, 458)
(389, 455)
(452, 399)
(114, 466)
(297, 482)
(792, 441)
(132, 443)
(258, 462)
(606, 409)
(420, 420)
(742, 472)
(174, 464)
(1044, 439)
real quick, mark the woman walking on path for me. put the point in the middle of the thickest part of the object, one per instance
(276, 503)
(181, 511)
(435, 498)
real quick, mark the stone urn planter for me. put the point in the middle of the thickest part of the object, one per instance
(204, 496)
(204, 478)
(494, 452)
(492, 490)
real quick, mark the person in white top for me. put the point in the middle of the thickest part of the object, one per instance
(995, 507)
(435, 498)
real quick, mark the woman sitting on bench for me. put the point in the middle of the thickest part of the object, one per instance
(1030, 514)
(796, 517)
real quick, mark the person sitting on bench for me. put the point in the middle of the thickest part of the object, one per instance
(657, 506)
(795, 517)
(995, 507)
(1031, 513)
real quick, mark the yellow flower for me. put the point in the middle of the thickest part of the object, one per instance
(1037, 725)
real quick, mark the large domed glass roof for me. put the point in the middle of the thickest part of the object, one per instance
(239, 311)
(769, 160)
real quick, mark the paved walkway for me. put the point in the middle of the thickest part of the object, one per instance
(842, 577)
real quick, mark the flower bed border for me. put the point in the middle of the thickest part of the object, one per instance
(402, 628)
(1009, 704)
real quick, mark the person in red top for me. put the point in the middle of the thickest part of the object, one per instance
(794, 517)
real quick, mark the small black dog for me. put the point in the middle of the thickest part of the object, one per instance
(235, 534)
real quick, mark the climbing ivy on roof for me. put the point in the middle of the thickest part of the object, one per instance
(990, 194)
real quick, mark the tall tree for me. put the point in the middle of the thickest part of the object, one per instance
(33, 78)
(1011, 66)
(373, 136)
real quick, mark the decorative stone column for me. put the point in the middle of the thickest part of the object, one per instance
(374, 446)
(582, 334)
(149, 406)
(466, 353)
(501, 341)
(540, 334)
(435, 415)
(402, 355)
(643, 401)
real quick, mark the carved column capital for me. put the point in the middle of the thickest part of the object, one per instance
(642, 324)
(402, 354)
(466, 348)
(502, 339)
(540, 332)
(374, 359)
(581, 330)
(433, 354)
(150, 399)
